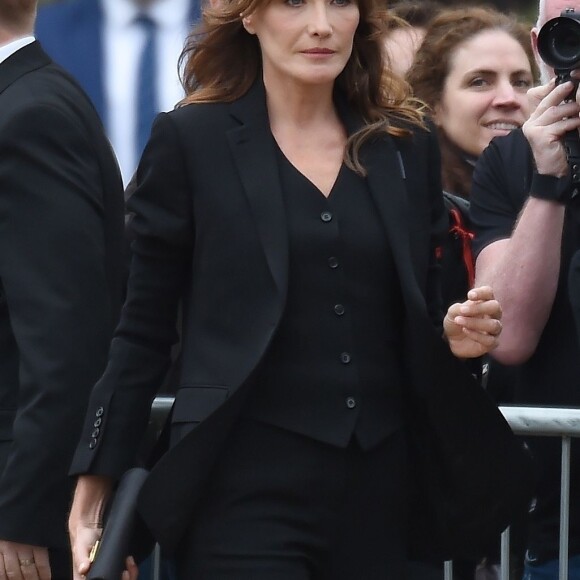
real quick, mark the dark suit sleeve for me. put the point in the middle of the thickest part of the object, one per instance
(53, 274)
(163, 232)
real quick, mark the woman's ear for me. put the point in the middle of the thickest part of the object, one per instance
(247, 24)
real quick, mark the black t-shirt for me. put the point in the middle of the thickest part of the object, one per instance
(551, 377)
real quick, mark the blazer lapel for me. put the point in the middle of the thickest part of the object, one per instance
(386, 180)
(253, 148)
(254, 151)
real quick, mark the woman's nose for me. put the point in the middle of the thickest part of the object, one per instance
(319, 24)
(507, 95)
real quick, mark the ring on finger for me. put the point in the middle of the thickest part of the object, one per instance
(26, 562)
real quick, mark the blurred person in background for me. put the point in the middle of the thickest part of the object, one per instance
(61, 286)
(405, 33)
(124, 53)
(473, 70)
(526, 233)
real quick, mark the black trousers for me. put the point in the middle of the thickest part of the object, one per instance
(281, 506)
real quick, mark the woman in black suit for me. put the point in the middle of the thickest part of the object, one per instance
(293, 206)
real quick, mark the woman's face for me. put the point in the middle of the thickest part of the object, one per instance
(484, 94)
(304, 41)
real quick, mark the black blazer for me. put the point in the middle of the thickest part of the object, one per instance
(210, 229)
(61, 228)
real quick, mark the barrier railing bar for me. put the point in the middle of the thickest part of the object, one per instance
(156, 568)
(564, 507)
(505, 554)
(543, 421)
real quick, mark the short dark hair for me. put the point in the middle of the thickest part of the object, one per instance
(18, 15)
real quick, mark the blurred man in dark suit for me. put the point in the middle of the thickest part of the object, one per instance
(61, 280)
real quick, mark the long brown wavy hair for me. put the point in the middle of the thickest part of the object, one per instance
(432, 64)
(221, 60)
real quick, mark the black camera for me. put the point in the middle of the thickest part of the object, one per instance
(559, 44)
(559, 48)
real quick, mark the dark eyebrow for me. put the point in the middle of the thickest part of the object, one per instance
(486, 72)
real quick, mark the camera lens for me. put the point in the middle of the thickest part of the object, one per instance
(559, 43)
(566, 45)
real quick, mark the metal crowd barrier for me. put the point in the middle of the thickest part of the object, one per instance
(529, 421)
(546, 422)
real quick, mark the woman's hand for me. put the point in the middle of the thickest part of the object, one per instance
(85, 524)
(85, 521)
(472, 328)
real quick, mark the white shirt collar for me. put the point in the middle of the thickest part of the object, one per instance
(165, 13)
(9, 49)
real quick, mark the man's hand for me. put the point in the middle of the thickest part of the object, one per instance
(473, 327)
(551, 119)
(23, 562)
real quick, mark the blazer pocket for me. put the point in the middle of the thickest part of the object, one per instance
(192, 405)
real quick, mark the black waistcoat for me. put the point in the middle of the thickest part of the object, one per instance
(333, 368)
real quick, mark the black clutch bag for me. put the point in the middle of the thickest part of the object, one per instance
(124, 532)
(119, 530)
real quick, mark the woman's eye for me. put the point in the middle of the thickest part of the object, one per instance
(478, 82)
(341, 2)
(523, 84)
(294, 2)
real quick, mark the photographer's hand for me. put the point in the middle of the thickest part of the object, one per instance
(552, 118)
